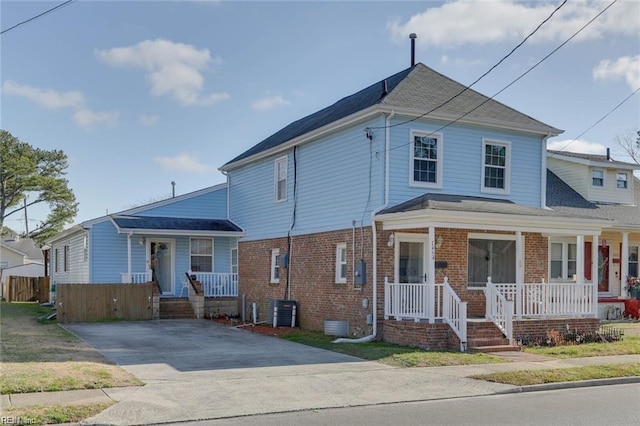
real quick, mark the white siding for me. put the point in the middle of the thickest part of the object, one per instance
(609, 193)
(577, 176)
(11, 257)
(78, 271)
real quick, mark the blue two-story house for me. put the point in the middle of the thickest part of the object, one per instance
(413, 211)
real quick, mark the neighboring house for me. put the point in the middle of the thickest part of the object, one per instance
(160, 241)
(20, 258)
(596, 186)
(398, 203)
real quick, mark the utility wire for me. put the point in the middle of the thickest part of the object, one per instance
(483, 75)
(598, 122)
(61, 5)
(518, 78)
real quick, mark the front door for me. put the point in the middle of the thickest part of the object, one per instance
(161, 264)
(603, 269)
(411, 258)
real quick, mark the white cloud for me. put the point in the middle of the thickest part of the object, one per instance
(87, 118)
(173, 69)
(185, 162)
(480, 22)
(627, 67)
(46, 98)
(269, 102)
(577, 145)
(148, 120)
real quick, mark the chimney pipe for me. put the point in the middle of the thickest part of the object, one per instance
(608, 154)
(413, 38)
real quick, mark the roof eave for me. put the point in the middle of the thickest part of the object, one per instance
(586, 162)
(180, 232)
(319, 132)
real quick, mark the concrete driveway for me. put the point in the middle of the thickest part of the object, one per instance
(156, 350)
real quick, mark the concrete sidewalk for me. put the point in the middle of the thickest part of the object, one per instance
(198, 395)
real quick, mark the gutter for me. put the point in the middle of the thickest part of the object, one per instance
(374, 261)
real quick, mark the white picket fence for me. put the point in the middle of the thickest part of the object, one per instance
(135, 277)
(216, 284)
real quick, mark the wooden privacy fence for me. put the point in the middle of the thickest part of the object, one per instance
(27, 289)
(101, 302)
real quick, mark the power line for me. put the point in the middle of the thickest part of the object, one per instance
(483, 75)
(517, 79)
(61, 5)
(601, 118)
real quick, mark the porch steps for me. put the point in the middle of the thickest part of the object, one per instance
(175, 308)
(484, 336)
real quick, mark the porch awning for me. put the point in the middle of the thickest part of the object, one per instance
(446, 210)
(176, 226)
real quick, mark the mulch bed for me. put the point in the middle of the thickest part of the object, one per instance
(265, 329)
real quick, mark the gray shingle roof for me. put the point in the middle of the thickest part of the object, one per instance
(591, 157)
(175, 224)
(466, 203)
(562, 198)
(419, 88)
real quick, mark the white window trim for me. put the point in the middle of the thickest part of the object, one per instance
(275, 259)
(66, 257)
(284, 161)
(507, 167)
(231, 250)
(56, 260)
(191, 254)
(494, 237)
(339, 248)
(565, 259)
(604, 178)
(439, 161)
(632, 244)
(622, 172)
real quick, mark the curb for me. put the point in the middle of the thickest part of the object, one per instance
(580, 384)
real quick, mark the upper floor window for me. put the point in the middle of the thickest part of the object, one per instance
(201, 255)
(341, 263)
(597, 177)
(280, 178)
(275, 266)
(425, 167)
(621, 180)
(496, 168)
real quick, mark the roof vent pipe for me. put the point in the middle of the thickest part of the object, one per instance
(608, 154)
(413, 38)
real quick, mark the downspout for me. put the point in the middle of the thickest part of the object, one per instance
(543, 173)
(129, 256)
(226, 174)
(374, 289)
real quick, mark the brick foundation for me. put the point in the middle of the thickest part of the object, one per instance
(419, 334)
(541, 327)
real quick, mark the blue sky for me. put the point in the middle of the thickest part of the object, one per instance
(139, 94)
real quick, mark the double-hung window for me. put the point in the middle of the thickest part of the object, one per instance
(234, 260)
(425, 167)
(597, 178)
(633, 261)
(341, 263)
(66, 259)
(275, 266)
(280, 179)
(563, 261)
(201, 255)
(56, 260)
(621, 180)
(496, 167)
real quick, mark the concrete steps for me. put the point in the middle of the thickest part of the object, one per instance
(176, 308)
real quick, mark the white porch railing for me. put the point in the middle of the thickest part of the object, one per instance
(454, 312)
(499, 310)
(415, 301)
(544, 300)
(218, 284)
(135, 277)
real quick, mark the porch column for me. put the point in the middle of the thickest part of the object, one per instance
(624, 264)
(580, 266)
(431, 273)
(129, 257)
(594, 273)
(519, 273)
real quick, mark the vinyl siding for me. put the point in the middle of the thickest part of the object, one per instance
(609, 193)
(463, 162)
(78, 268)
(334, 176)
(212, 205)
(11, 257)
(575, 175)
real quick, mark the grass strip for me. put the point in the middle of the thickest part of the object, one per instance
(628, 346)
(573, 374)
(393, 355)
(52, 414)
